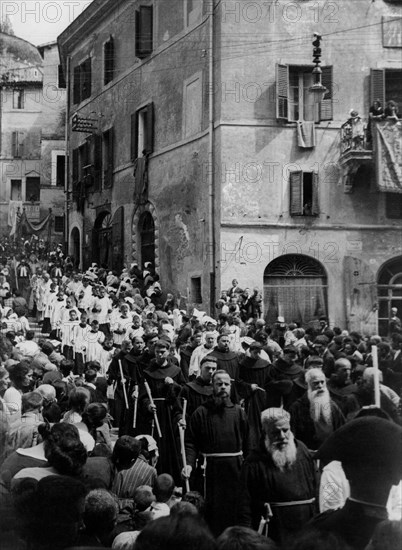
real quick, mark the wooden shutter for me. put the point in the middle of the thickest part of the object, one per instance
(393, 206)
(144, 31)
(86, 79)
(110, 159)
(377, 86)
(314, 207)
(118, 239)
(134, 136)
(75, 165)
(108, 61)
(14, 144)
(296, 193)
(149, 130)
(21, 146)
(77, 85)
(282, 91)
(97, 161)
(326, 105)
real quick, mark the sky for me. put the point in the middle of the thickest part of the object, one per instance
(41, 21)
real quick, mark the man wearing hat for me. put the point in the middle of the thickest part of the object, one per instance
(370, 451)
(281, 473)
(165, 380)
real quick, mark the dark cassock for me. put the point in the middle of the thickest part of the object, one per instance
(306, 429)
(165, 398)
(133, 366)
(114, 377)
(186, 352)
(220, 434)
(290, 492)
(253, 371)
(228, 361)
(281, 371)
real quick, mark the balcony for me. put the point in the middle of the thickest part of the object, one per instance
(356, 151)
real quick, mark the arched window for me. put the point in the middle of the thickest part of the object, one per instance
(146, 229)
(295, 287)
(389, 290)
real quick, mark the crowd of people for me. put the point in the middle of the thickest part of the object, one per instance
(129, 422)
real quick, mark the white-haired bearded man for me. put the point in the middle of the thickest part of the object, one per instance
(315, 416)
(281, 473)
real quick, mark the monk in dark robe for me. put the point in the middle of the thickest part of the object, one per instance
(254, 376)
(280, 473)
(285, 368)
(227, 360)
(219, 430)
(165, 381)
(134, 366)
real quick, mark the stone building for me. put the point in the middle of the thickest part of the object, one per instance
(32, 130)
(201, 147)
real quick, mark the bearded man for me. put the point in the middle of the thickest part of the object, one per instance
(315, 416)
(281, 474)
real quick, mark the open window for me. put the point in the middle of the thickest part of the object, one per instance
(18, 99)
(142, 131)
(294, 101)
(144, 31)
(393, 206)
(303, 193)
(82, 84)
(32, 189)
(385, 85)
(16, 190)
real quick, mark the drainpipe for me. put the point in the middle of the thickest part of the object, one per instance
(66, 163)
(211, 248)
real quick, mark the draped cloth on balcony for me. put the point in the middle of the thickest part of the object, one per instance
(13, 215)
(388, 155)
(31, 228)
(141, 180)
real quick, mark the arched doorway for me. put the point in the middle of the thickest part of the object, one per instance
(389, 291)
(146, 230)
(102, 240)
(75, 246)
(295, 287)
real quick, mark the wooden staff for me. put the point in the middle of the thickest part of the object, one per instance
(135, 406)
(148, 389)
(182, 430)
(123, 384)
(377, 396)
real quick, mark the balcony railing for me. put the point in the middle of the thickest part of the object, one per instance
(355, 137)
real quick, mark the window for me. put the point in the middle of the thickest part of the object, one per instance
(146, 226)
(18, 99)
(393, 206)
(17, 144)
(75, 165)
(142, 131)
(61, 81)
(304, 194)
(83, 161)
(192, 115)
(144, 31)
(60, 170)
(108, 157)
(32, 189)
(59, 224)
(196, 294)
(294, 101)
(108, 61)
(16, 190)
(82, 81)
(385, 84)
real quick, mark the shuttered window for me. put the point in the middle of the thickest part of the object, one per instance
(142, 131)
(385, 85)
(97, 162)
(294, 101)
(17, 144)
(75, 167)
(303, 193)
(144, 31)
(109, 61)
(108, 157)
(377, 86)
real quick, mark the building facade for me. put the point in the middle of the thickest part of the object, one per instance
(202, 149)
(32, 156)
